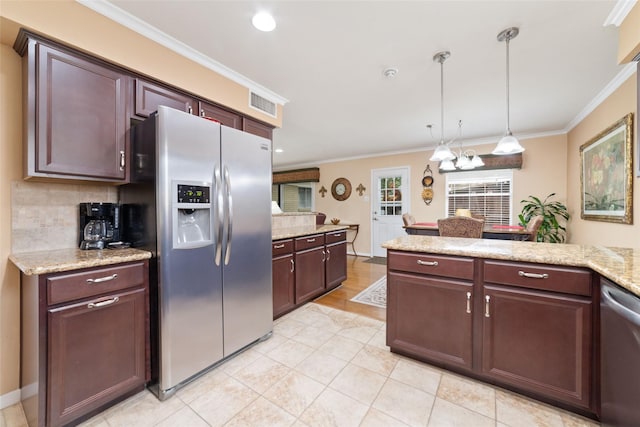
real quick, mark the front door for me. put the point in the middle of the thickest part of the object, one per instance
(390, 200)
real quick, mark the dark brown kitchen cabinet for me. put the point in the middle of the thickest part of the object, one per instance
(336, 258)
(283, 273)
(225, 117)
(429, 315)
(257, 128)
(537, 330)
(85, 338)
(309, 267)
(528, 327)
(75, 114)
(148, 96)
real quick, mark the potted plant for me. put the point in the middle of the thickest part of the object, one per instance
(554, 214)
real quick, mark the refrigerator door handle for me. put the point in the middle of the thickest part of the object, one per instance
(227, 181)
(218, 224)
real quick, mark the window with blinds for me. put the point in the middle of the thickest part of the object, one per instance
(485, 193)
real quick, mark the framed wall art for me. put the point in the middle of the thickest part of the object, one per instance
(606, 174)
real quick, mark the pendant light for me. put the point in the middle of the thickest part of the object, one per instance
(442, 151)
(508, 144)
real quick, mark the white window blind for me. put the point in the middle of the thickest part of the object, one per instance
(487, 193)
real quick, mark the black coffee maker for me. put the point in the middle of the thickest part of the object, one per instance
(100, 224)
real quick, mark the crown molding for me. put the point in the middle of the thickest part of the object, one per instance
(619, 12)
(627, 71)
(125, 19)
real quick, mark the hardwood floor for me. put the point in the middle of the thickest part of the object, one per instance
(360, 274)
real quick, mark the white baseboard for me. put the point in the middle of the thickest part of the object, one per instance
(9, 399)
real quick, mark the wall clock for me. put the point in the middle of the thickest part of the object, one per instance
(341, 189)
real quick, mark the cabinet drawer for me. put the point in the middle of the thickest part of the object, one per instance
(435, 265)
(336, 236)
(308, 242)
(281, 247)
(85, 284)
(539, 276)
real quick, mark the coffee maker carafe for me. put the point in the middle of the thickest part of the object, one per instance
(99, 224)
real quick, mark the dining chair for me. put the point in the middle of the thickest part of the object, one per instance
(460, 226)
(408, 219)
(532, 227)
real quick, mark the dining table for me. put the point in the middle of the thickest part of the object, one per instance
(490, 231)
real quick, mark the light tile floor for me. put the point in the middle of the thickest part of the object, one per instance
(326, 367)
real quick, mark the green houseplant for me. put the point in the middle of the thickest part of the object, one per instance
(555, 215)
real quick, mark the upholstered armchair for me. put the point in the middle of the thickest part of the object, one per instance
(408, 219)
(532, 227)
(460, 226)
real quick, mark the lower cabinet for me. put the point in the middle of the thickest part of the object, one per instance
(92, 331)
(310, 258)
(283, 277)
(336, 259)
(528, 327)
(306, 267)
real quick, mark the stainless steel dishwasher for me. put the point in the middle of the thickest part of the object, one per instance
(620, 356)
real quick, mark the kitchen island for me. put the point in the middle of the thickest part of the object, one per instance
(522, 315)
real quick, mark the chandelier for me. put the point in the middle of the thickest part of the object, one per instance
(468, 159)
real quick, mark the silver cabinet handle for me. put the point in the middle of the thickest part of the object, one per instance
(324, 256)
(278, 246)
(429, 263)
(311, 240)
(468, 302)
(103, 303)
(122, 163)
(102, 279)
(533, 275)
(328, 254)
(487, 298)
(189, 109)
(293, 266)
(201, 113)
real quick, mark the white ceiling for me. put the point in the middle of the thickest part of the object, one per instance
(327, 58)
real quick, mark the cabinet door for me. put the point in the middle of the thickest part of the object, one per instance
(283, 285)
(336, 264)
(430, 318)
(80, 118)
(149, 96)
(257, 128)
(225, 117)
(539, 342)
(96, 353)
(309, 274)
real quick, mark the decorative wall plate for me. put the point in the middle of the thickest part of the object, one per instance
(341, 189)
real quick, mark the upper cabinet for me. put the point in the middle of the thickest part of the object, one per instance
(257, 128)
(75, 113)
(225, 117)
(148, 96)
(78, 112)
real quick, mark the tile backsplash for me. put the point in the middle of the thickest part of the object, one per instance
(44, 216)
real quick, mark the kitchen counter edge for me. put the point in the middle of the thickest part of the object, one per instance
(59, 260)
(621, 265)
(288, 233)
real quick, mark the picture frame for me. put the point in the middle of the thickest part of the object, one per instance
(606, 174)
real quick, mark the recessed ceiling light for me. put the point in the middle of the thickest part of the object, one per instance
(279, 150)
(263, 21)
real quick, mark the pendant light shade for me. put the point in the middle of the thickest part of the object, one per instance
(509, 144)
(442, 151)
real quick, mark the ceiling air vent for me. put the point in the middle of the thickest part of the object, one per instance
(263, 104)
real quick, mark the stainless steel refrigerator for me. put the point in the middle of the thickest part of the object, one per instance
(200, 201)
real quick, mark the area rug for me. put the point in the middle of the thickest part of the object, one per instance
(375, 294)
(377, 260)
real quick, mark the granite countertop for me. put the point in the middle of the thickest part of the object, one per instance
(42, 262)
(290, 232)
(620, 265)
